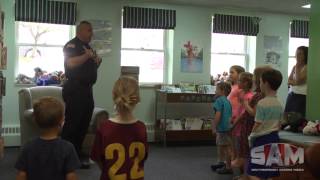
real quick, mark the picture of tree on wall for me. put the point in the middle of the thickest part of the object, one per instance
(191, 58)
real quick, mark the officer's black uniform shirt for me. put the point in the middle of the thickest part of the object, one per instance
(86, 73)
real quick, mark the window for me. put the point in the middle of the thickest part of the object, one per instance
(144, 48)
(228, 50)
(294, 43)
(40, 45)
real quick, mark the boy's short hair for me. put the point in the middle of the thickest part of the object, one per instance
(257, 73)
(48, 112)
(225, 87)
(273, 77)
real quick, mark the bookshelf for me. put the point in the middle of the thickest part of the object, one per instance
(184, 107)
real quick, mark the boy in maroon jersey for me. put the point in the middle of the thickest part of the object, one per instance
(120, 147)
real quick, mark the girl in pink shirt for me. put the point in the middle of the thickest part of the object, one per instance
(235, 103)
(245, 95)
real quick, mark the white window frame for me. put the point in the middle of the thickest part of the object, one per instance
(165, 62)
(71, 35)
(246, 54)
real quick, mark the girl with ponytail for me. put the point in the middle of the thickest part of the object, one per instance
(120, 147)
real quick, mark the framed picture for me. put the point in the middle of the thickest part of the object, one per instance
(191, 58)
(2, 85)
(2, 21)
(3, 64)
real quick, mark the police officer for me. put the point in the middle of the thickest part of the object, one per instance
(81, 64)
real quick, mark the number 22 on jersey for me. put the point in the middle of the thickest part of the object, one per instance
(135, 173)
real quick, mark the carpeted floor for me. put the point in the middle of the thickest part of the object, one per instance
(170, 163)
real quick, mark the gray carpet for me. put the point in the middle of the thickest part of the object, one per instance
(170, 163)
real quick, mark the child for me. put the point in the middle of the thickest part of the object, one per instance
(48, 157)
(221, 127)
(269, 112)
(120, 147)
(233, 97)
(248, 116)
(245, 94)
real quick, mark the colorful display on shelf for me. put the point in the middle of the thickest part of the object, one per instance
(223, 77)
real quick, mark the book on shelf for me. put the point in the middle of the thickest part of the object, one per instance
(188, 88)
(193, 124)
(171, 124)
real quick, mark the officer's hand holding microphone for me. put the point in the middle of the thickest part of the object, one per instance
(92, 54)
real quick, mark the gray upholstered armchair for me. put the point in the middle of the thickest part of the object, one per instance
(29, 130)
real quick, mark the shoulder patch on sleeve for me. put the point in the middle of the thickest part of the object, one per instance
(71, 45)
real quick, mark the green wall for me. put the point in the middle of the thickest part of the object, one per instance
(10, 101)
(110, 68)
(313, 97)
(274, 25)
(193, 23)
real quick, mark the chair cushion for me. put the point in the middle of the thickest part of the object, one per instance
(40, 91)
(98, 115)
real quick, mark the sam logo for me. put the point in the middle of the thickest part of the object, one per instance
(278, 154)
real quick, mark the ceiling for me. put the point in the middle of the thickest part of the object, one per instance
(278, 6)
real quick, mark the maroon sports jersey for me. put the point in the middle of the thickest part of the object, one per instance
(122, 149)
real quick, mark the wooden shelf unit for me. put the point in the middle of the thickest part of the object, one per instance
(164, 101)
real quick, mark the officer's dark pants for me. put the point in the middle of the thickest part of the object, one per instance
(79, 106)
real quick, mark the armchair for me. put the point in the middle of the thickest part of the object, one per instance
(29, 129)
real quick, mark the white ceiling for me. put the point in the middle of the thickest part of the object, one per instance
(278, 6)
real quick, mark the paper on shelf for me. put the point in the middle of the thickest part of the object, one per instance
(193, 124)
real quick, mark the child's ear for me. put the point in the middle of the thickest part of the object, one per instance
(61, 122)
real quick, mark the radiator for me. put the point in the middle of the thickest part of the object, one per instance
(11, 135)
